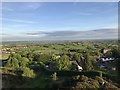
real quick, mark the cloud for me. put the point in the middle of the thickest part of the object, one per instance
(6, 9)
(22, 6)
(78, 35)
(64, 35)
(20, 37)
(33, 5)
(55, 33)
(3, 34)
(18, 21)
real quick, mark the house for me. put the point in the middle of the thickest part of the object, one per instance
(57, 56)
(106, 63)
(104, 50)
(104, 59)
(79, 68)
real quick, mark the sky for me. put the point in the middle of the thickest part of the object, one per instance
(34, 21)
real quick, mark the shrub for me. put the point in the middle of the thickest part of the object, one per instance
(24, 62)
(109, 86)
(63, 63)
(84, 78)
(80, 85)
(94, 83)
(54, 76)
(76, 77)
(99, 79)
(27, 72)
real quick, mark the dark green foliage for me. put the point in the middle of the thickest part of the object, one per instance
(97, 53)
(116, 54)
(76, 57)
(16, 55)
(24, 62)
(86, 83)
(118, 65)
(30, 56)
(16, 61)
(13, 61)
(41, 57)
(87, 63)
(63, 63)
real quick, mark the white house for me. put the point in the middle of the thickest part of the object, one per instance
(107, 59)
(78, 66)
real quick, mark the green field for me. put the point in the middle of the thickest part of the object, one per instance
(4, 56)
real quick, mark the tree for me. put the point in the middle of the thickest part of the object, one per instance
(116, 55)
(84, 78)
(63, 63)
(13, 61)
(97, 53)
(87, 63)
(30, 56)
(116, 52)
(27, 72)
(36, 57)
(41, 57)
(17, 56)
(77, 57)
(24, 62)
(24, 52)
(53, 57)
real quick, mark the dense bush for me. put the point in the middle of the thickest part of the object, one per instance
(109, 86)
(13, 63)
(27, 72)
(94, 83)
(87, 66)
(99, 79)
(88, 83)
(84, 78)
(24, 62)
(63, 63)
(54, 76)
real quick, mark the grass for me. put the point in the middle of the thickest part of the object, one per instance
(4, 56)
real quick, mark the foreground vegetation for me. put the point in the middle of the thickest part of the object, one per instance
(55, 65)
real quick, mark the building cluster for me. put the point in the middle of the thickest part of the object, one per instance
(106, 63)
(6, 51)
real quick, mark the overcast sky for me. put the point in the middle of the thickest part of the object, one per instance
(59, 21)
